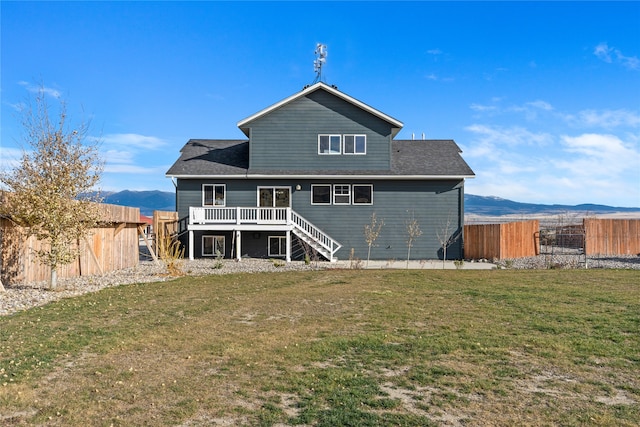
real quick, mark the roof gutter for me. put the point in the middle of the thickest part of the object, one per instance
(386, 177)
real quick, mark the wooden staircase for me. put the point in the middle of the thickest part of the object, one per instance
(314, 237)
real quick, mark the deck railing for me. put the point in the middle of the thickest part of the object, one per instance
(239, 215)
(265, 216)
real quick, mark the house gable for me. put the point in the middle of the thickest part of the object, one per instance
(287, 135)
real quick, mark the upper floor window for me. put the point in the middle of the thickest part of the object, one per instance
(329, 144)
(355, 144)
(213, 195)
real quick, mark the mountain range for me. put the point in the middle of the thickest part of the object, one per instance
(148, 201)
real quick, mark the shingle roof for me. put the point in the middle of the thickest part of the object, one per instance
(420, 158)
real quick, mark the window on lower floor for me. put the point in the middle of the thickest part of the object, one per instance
(277, 245)
(213, 195)
(321, 194)
(212, 245)
(341, 194)
(363, 194)
(274, 197)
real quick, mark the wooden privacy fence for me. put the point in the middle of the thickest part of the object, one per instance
(500, 241)
(522, 239)
(165, 223)
(612, 236)
(114, 245)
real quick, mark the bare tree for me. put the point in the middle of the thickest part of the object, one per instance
(413, 232)
(371, 233)
(446, 236)
(52, 190)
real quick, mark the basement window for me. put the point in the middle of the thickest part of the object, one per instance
(212, 245)
(277, 246)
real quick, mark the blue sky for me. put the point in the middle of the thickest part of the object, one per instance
(542, 97)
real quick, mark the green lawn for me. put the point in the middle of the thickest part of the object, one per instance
(332, 348)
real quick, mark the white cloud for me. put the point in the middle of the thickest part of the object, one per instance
(607, 119)
(603, 52)
(40, 88)
(599, 155)
(9, 158)
(541, 105)
(530, 109)
(608, 54)
(119, 157)
(132, 140)
(483, 108)
(434, 52)
(510, 136)
(134, 169)
(631, 62)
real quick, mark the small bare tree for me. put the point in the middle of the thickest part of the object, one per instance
(446, 237)
(371, 233)
(51, 192)
(413, 232)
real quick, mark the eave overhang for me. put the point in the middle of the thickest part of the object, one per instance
(311, 177)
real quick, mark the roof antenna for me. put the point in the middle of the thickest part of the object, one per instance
(321, 58)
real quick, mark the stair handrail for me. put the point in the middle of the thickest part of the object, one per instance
(315, 233)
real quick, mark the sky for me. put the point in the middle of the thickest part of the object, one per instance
(543, 98)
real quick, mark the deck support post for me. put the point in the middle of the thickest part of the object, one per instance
(238, 245)
(191, 245)
(288, 257)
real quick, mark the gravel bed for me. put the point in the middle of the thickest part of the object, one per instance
(571, 261)
(22, 297)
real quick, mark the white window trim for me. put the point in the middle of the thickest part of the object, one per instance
(224, 200)
(330, 153)
(330, 194)
(274, 188)
(209, 236)
(341, 195)
(354, 135)
(280, 238)
(353, 194)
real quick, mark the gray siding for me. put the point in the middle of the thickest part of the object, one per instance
(431, 202)
(289, 136)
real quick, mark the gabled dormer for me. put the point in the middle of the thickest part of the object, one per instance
(320, 128)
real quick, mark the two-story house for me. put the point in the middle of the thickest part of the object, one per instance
(312, 170)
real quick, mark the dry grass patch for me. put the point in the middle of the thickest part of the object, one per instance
(329, 348)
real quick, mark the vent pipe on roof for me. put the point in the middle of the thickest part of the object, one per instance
(423, 136)
(413, 136)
